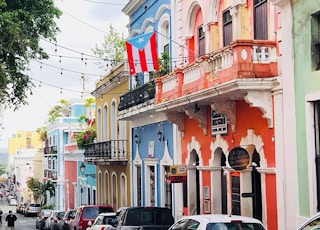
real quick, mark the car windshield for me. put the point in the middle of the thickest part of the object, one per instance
(149, 217)
(92, 212)
(234, 226)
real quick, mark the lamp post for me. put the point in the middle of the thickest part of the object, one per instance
(83, 169)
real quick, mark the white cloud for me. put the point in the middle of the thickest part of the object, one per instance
(81, 29)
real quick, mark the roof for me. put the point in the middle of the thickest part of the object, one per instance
(223, 218)
(107, 214)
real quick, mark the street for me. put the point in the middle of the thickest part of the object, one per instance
(22, 223)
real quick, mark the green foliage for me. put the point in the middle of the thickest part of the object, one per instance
(3, 169)
(60, 110)
(40, 189)
(164, 65)
(86, 137)
(23, 23)
(50, 206)
(42, 133)
(112, 49)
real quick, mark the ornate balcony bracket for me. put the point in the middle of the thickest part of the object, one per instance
(200, 116)
(227, 108)
(177, 119)
(263, 101)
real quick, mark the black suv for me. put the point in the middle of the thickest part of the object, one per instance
(156, 218)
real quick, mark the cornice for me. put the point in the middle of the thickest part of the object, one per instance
(132, 7)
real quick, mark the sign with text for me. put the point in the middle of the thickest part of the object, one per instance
(238, 158)
(178, 174)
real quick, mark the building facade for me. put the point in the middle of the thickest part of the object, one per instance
(24, 140)
(225, 96)
(153, 138)
(54, 162)
(111, 151)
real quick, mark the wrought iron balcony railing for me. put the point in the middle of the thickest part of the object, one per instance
(50, 174)
(108, 152)
(50, 151)
(137, 96)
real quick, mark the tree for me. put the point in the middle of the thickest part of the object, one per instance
(112, 49)
(40, 190)
(60, 110)
(23, 23)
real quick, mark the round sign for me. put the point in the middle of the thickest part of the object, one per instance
(238, 158)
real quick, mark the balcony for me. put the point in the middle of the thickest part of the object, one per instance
(49, 174)
(111, 152)
(137, 96)
(242, 60)
(50, 151)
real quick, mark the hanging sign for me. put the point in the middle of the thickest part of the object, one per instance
(238, 158)
(178, 174)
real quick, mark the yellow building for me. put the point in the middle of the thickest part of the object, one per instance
(111, 152)
(24, 140)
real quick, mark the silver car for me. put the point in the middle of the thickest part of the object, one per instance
(32, 209)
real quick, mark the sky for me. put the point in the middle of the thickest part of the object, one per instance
(83, 25)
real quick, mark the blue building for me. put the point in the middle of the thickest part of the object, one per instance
(58, 135)
(153, 137)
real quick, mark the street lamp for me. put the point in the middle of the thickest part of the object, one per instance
(83, 169)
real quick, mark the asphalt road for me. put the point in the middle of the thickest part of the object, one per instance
(22, 223)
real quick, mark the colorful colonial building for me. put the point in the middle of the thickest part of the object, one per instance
(111, 151)
(225, 96)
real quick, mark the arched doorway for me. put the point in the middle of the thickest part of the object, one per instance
(256, 186)
(193, 184)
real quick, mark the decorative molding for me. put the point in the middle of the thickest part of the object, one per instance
(263, 101)
(257, 141)
(166, 159)
(200, 116)
(220, 142)
(177, 119)
(227, 108)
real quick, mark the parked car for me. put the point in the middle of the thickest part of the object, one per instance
(53, 220)
(42, 217)
(312, 223)
(65, 222)
(13, 202)
(217, 222)
(32, 209)
(20, 207)
(155, 218)
(86, 213)
(105, 220)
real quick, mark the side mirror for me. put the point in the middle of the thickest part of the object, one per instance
(89, 223)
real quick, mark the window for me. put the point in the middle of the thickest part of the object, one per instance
(260, 20)
(152, 186)
(114, 192)
(315, 33)
(167, 188)
(317, 148)
(139, 199)
(201, 41)
(227, 28)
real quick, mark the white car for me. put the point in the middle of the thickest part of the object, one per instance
(13, 202)
(103, 221)
(312, 223)
(217, 222)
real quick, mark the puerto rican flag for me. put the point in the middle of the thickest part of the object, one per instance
(90, 119)
(142, 53)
